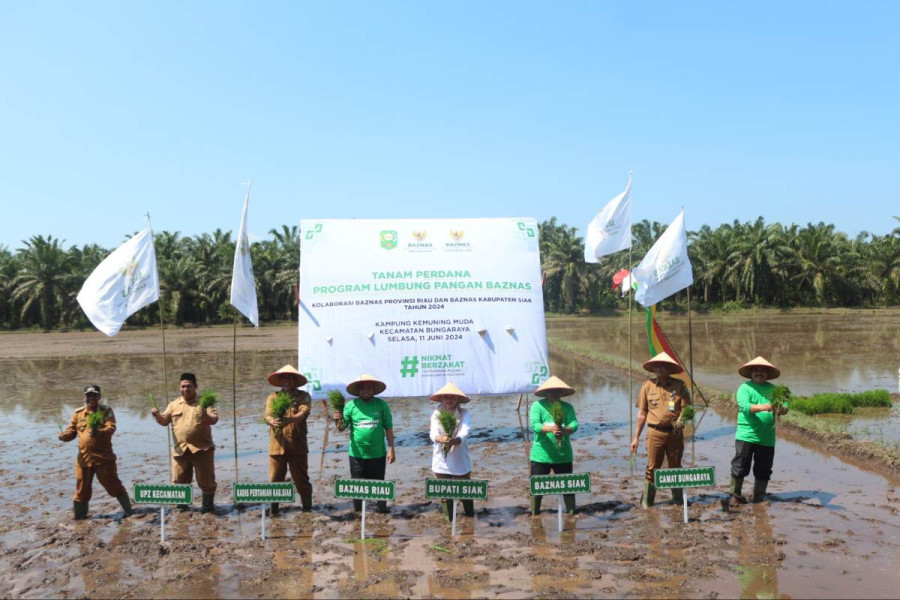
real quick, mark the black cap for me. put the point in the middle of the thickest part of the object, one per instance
(189, 377)
(92, 389)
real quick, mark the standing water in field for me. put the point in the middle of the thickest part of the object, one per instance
(830, 530)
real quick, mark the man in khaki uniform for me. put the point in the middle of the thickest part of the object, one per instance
(287, 435)
(194, 448)
(659, 405)
(95, 455)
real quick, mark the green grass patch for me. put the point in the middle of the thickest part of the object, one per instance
(842, 404)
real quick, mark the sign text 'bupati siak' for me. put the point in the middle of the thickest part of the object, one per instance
(456, 489)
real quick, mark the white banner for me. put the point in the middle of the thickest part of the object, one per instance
(125, 282)
(666, 269)
(243, 286)
(610, 230)
(418, 302)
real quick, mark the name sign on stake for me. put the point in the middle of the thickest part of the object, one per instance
(569, 483)
(456, 489)
(684, 478)
(163, 494)
(173, 493)
(575, 483)
(364, 489)
(263, 493)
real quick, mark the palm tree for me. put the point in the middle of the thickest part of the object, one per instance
(44, 279)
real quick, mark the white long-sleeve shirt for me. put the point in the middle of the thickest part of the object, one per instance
(457, 461)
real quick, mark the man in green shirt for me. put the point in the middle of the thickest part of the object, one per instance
(754, 440)
(551, 449)
(369, 420)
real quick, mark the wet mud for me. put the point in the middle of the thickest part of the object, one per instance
(829, 528)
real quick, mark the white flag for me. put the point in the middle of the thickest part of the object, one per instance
(243, 287)
(122, 284)
(610, 230)
(666, 269)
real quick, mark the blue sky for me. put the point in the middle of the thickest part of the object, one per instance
(444, 109)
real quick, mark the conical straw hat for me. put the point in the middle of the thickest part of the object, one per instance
(759, 361)
(665, 360)
(286, 371)
(450, 390)
(353, 386)
(554, 384)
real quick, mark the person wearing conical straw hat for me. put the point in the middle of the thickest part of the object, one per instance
(450, 453)
(288, 448)
(552, 421)
(369, 420)
(660, 401)
(754, 440)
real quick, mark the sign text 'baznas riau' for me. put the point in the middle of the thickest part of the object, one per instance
(364, 489)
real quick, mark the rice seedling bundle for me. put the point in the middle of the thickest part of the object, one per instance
(449, 423)
(281, 404)
(208, 399)
(558, 414)
(336, 400)
(687, 414)
(96, 418)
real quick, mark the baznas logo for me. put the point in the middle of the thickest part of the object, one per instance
(388, 239)
(420, 235)
(456, 235)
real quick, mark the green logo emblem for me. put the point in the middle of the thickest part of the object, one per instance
(388, 239)
(409, 366)
(314, 382)
(528, 231)
(539, 372)
(310, 234)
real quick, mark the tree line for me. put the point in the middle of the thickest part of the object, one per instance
(735, 265)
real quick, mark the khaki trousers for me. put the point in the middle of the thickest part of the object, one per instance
(299, 467)
(660, 445)
(203, 463)
(107, 474)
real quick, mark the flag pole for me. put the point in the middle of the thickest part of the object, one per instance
(234, 415)
(691, 362)
(630, 380)
(234, 393)
(162, 329)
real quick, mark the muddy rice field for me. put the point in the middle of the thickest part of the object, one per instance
(830, 529)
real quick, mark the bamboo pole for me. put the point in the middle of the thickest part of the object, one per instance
(691, 363)
(630, 379)
(234, 394)
(162, 329)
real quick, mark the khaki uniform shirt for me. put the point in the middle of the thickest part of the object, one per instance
(663, 403)
(292, 437)
(93, 448)
(191, 434)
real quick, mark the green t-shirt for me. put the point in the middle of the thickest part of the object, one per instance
(367, 421)
(544, 448)
(758, 428)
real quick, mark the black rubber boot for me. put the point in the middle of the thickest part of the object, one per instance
(649, 497)
(535, 505)
(81, 510)
(125, 501)
(447, 509)
(468, 508)
(737, 483)
(306, 502)
(274, 509)
(759, 489)
(677, 495)
(569, 501)
(357, 505)
(381, 507)
(208, 505)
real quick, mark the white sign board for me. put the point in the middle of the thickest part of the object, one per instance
(418, 302)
